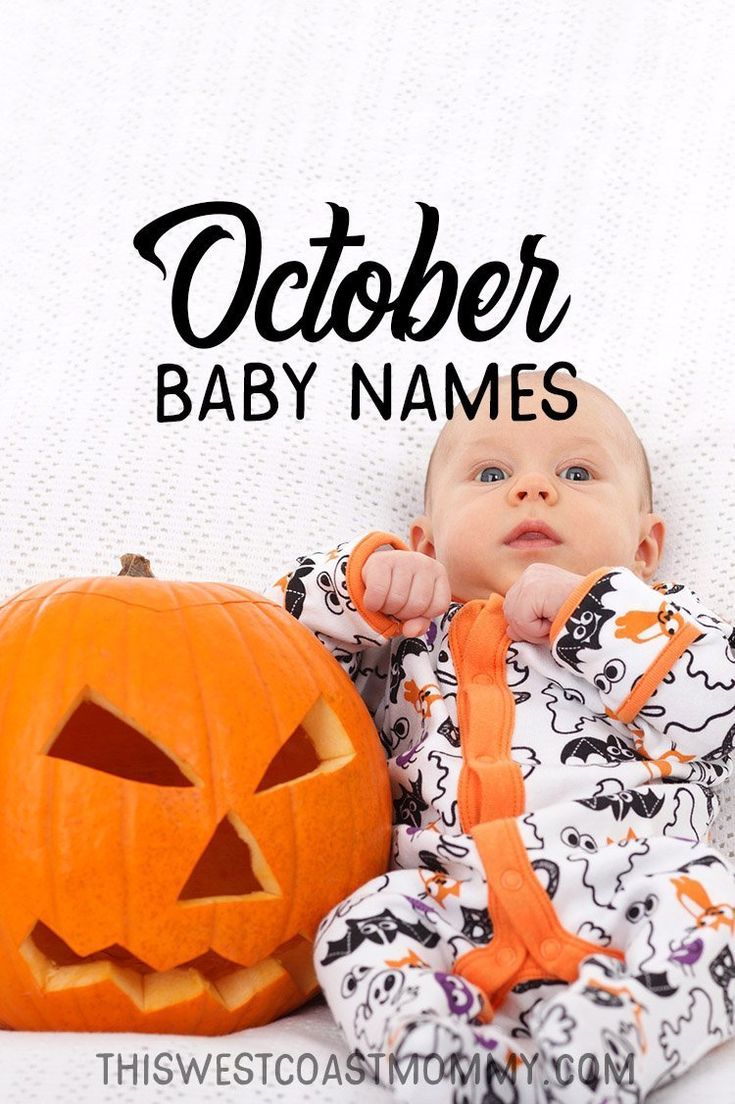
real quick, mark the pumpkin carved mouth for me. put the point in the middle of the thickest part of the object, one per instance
(57, 966)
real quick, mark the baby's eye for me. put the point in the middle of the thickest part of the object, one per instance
(490, 475)
(576, 473)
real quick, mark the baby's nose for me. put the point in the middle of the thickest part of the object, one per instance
(534, 486)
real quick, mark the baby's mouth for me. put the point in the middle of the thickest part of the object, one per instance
(531, 536)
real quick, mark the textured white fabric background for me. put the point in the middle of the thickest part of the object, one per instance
(607, 127)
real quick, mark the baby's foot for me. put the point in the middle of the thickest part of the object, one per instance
(437, 1060)
(591, 1047)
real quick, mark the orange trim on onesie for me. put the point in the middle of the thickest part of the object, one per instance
(386, 626)
(490, 783)
(574, 599)
(662, 664)
(528, 940)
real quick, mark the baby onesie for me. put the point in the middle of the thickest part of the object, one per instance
(555, 924)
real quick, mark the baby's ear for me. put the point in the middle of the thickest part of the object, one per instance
(651, 546)
(420, 535)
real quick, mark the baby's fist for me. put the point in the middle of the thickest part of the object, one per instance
(534, 600)
(409, 586)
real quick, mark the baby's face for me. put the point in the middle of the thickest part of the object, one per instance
(574, 485)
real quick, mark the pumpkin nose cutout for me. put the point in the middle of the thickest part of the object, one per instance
(97, 738)
(231, 865)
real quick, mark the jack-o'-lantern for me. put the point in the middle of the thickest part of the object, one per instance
(188, 783)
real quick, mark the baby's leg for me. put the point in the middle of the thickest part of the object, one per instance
(648, 1019)
(384, 959)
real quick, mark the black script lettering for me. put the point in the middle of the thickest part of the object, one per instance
(333, 246)
(146, 240)
(417, 278)
(477, 299)
(544, 289)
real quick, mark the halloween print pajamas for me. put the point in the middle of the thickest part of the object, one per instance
(552, 893)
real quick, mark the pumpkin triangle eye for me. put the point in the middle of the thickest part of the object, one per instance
(231, 865)
(97, 738)
(319, 743)
(297, 757)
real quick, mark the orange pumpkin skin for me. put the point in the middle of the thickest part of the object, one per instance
(188, 783)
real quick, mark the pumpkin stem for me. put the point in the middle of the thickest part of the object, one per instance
(133, 564)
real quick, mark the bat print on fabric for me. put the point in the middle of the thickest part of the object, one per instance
(643, 803)
(295, 592)
(582, 631)
(381, 928)
(333, 586)
(410, 804)
(610, 750)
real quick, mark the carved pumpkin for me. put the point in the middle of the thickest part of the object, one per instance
(188, 783)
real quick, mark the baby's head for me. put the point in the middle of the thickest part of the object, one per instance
(583, 483)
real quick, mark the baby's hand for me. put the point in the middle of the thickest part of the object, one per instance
(407, 585)
(534, 600)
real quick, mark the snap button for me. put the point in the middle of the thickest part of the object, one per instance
(483, 680)
(550, 948)
(511, 879)
(506, 956)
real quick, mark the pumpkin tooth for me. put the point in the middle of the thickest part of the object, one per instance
(241, 986)
(71, 977)
(297, 956)
(171, 987)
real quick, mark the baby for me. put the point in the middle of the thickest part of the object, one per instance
(554, 923)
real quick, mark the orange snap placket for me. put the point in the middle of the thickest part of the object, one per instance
(511, 879)
(506, 956)
(482, 680)
(550, 948)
